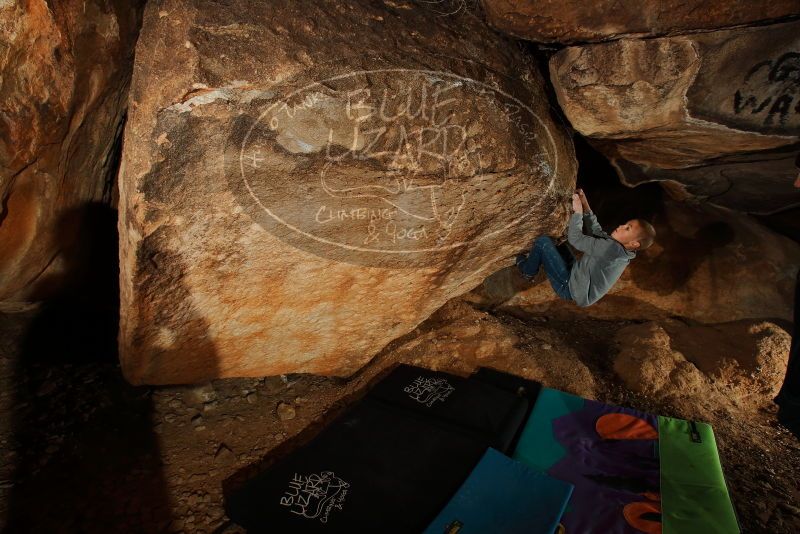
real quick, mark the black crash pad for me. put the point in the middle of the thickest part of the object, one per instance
(474, 406)
(375, 469)
(518, 385)
(522, 387)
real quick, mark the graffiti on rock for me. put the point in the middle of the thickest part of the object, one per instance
(771, 90)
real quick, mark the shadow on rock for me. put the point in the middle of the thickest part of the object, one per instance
(86, 458)
(499, 287)
(684, 255)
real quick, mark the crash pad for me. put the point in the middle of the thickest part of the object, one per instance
(374, 469)
(473, 406)
(521, 387)
(694, 495)
(503, 495)
(609, 453)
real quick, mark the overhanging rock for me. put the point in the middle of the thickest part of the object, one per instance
(577, 21)
(716, 114)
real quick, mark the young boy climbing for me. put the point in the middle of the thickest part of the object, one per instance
(605, 256)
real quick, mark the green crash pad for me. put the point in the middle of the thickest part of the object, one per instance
(694, 496)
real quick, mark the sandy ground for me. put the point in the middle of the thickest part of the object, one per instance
(83, 451)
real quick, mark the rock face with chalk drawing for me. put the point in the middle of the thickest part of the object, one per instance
(303, 184)
(64, 74)
(716, 115)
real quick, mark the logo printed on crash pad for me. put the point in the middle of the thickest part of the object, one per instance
(314, 496)
(429, 390)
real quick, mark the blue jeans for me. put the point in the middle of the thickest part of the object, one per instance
(557, 262)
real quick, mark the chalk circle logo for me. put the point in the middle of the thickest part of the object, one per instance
(393, 164)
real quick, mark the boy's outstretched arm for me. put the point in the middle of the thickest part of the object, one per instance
(594, 227)
(587, 244)
(589, 217)
(584, 200)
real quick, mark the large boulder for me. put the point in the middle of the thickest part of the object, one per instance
(741, 361)
(707, 264)
(302, 184)
(715, 114)
(578, 21)
(64, 75)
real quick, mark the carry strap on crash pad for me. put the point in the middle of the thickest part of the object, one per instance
(694, 496)
(471, 405)
(503, 495)
(375, 469)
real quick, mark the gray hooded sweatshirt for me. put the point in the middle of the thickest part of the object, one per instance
(604, 258)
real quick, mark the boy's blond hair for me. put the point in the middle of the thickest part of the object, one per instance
(647, 234)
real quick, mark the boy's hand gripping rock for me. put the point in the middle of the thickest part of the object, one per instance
(584, 200)
(577, 205)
